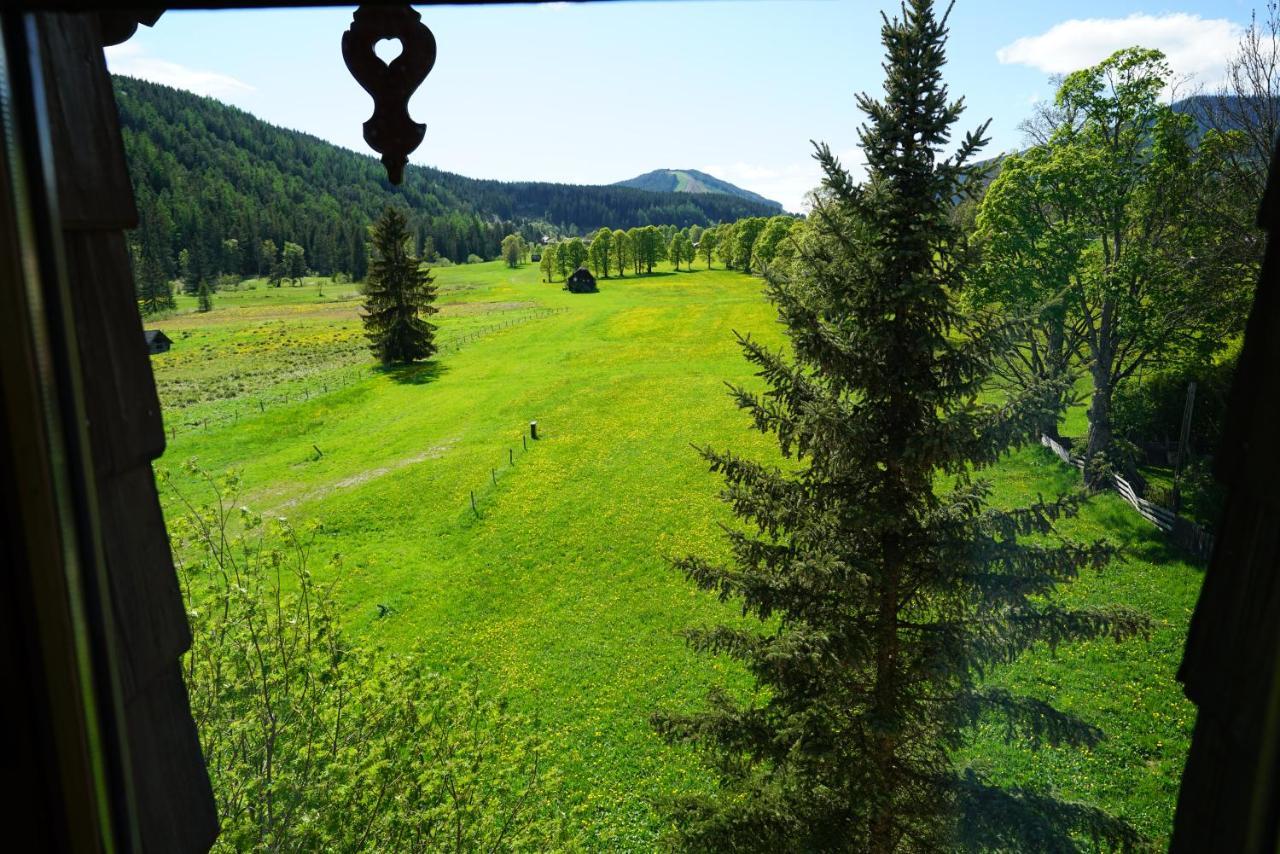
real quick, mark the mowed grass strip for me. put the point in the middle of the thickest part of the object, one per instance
(559, 594)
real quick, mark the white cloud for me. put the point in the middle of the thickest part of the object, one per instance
(1194, 46)
(129, 59)
(787, 183)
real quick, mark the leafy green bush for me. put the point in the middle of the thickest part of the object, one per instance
(474, 259)
(1151, 410)
(313, 744)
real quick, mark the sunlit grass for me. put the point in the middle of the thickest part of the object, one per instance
(557, 591)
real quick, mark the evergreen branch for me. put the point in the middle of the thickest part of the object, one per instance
(1003, 637)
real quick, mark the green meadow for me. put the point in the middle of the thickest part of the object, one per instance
(556, 591)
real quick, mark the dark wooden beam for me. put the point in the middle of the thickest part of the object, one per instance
(1230, 794)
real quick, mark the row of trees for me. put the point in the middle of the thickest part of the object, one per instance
(745, 244)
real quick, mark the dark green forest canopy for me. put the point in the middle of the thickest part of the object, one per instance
(205, 172)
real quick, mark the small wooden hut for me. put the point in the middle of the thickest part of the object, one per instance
(581, 282)
(157, 341)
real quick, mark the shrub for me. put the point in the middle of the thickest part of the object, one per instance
(313, 743)
(1151, 410)
(474, 259)
(442, 262)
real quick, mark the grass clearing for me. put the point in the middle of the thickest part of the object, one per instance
(559, 594)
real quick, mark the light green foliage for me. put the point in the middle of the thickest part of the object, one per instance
(679, 250)
(317, 743)
(745, 233)
(575, 614)
(1033, 244)
(707, 244)
(513, 250)
(547, 264)
(573, 252)
(771, 236)
(601, 252)
(293, 263)
(726, 243)
(623, 251)
(650, 248)
(1104, 214)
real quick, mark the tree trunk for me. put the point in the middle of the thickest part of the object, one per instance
(885, 744)
(1055, 365)
(1100, 404)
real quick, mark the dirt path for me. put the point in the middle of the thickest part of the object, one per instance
(359, 478)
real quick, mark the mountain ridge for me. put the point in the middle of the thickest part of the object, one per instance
(693, 182)
(205, 172)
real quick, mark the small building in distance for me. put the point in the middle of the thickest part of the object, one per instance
(537, 256)
(157, 341)
(581, 282)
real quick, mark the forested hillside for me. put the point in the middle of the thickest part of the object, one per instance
(217, 182)
(691, 181)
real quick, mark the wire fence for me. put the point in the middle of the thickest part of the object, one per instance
(1195, 539)
(257, 404)
(496, 472)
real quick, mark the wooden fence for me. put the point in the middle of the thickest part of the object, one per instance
(179, 422)
(1185, 533)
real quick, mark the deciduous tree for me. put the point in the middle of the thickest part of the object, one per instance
(1150, 284)
(601, 252)
(293, 262)
(622, 251)
(707, 245)
(513, 250)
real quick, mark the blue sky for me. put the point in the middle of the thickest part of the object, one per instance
(599, 92)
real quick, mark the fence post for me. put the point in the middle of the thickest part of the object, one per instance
(533, 430)
(473, 504)
(493, 473)
(524, 441)
(511, 456)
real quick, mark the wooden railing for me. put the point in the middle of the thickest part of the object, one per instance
(1185, 533)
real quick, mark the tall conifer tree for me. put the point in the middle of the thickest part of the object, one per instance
(398, 295)
(885, 583)
(204, 296)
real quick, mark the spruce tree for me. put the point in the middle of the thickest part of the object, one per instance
(884, 583)
(204, 296)
(398, 295)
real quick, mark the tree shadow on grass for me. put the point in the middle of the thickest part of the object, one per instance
(418, 373)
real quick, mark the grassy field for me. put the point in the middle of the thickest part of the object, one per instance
(559, 594)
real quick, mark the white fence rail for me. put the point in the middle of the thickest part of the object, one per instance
(1184, 532)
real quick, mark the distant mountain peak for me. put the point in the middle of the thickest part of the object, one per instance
(690, 181)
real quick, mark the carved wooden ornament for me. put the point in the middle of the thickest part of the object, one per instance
(390, 131)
